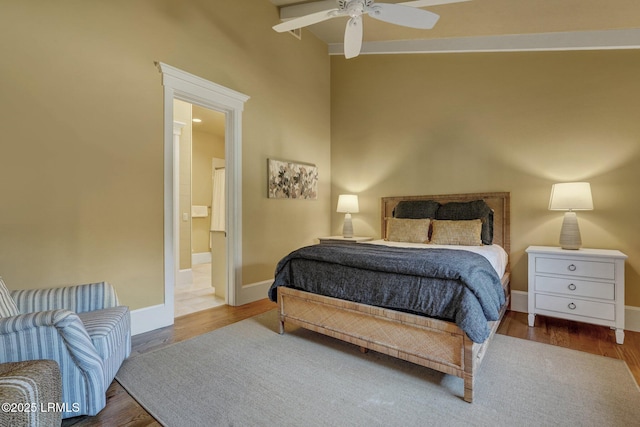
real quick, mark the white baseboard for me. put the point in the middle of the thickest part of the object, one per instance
(254, 291)
(149, 318)
(520, 303)
(632, 318)
(201, 258)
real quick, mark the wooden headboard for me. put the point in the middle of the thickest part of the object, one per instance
(499, 202)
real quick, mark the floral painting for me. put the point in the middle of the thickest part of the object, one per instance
(292, 180)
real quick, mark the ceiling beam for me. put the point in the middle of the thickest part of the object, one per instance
(580, 40)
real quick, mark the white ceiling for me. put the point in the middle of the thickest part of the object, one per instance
(490, 25)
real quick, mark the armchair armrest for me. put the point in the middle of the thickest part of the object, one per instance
(61, 330)
(21, 322)
(79, 298)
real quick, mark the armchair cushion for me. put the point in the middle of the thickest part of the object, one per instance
(108, 329)
(8, 306)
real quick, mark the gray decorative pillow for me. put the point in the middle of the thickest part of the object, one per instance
(416, 209)
(8, 306)
(477, 209)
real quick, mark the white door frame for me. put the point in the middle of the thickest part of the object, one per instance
(181, 85)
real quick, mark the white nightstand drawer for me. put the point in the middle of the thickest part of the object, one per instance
(595, 269)
(577, 307)
(570, 286)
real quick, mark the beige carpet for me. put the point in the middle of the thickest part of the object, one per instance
(247, 374)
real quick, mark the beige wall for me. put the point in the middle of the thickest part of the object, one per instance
(517, 122)
(81, 111)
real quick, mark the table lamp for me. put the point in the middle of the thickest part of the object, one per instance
(347, 204)
(570, 197)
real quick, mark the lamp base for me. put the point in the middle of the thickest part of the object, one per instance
(570, 232)
(347, 228)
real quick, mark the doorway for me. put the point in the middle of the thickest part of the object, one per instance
(201, 279)
(179, 84)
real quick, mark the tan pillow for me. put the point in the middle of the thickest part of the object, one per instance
(408, 230)
(446, 232)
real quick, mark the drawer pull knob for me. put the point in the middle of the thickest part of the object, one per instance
(572, 306)
(572, 287)
(572, 267)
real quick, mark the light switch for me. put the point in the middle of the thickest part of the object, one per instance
(185, 216)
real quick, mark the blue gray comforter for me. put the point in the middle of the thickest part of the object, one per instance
(454, 285)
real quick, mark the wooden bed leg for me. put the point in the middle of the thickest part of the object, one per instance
(281, 313)
(468, 388)
(469, 369)
(364, 350)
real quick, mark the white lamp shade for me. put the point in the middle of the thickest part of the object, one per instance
(348, 203)
(572, 196)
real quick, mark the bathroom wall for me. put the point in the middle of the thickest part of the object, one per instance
(182, 113)
(206, 146)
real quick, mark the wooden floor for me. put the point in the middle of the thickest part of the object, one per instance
(123, 410)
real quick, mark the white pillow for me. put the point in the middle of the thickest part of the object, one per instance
(8, 306)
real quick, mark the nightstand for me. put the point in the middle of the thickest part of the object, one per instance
(341, 239)
(586, 285)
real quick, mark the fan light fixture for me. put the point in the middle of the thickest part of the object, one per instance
(570, 196)
(406, 14)
(347, 204)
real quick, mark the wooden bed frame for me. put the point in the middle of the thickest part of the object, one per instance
(436, 344)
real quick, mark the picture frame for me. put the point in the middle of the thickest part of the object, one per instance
(291, 180)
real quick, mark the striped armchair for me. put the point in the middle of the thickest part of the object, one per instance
(81, 327)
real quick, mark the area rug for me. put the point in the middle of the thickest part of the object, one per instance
(246, 374)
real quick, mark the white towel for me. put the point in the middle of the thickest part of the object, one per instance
(199, 212)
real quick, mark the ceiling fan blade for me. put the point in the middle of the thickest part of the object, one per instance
(353, 37)
(303, 21)
(427, 3)
(406, 16)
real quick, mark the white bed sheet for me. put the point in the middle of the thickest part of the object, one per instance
(495, 254)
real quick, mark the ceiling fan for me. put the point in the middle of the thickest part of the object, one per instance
(405, 14)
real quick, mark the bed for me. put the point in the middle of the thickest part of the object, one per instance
(439, 342)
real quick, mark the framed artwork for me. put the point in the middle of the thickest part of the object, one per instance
(292, 180)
